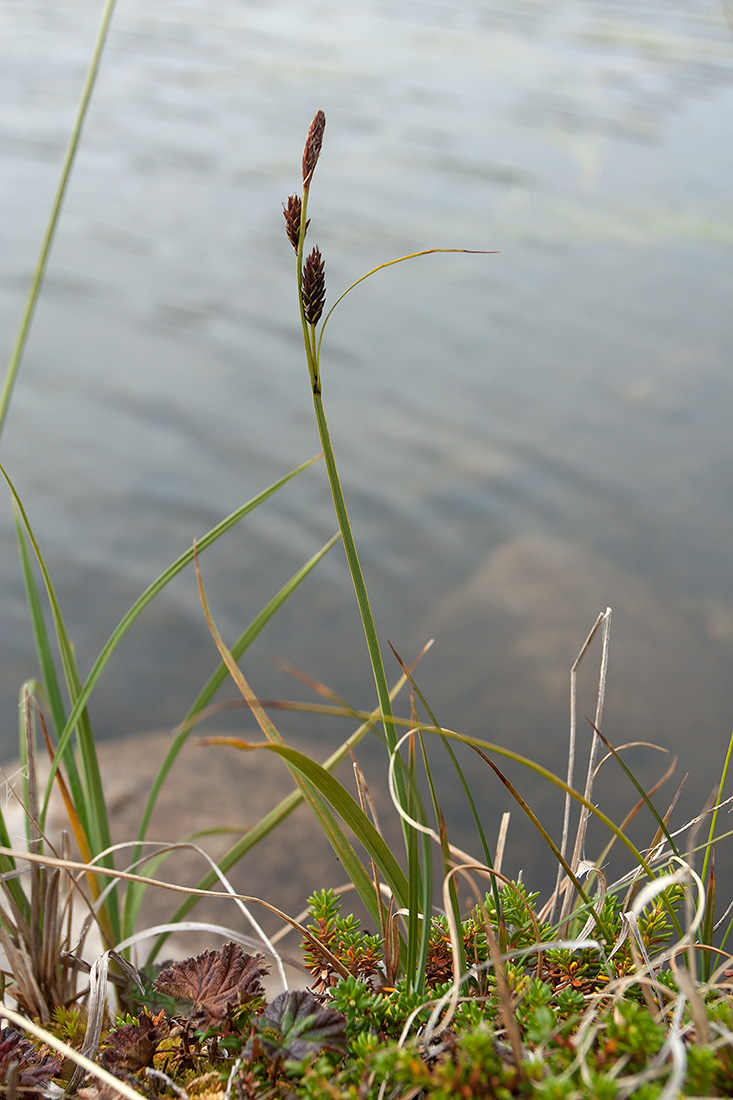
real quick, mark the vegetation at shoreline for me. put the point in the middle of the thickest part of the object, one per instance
(603, 990)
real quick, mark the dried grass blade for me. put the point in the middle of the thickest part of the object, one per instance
(574, 728)
(708, 924)
(501, 841)
(314, 685)
(368, 808)
(114, 1084)
(27, 991)
(506, 1007)
(96, 1006)
(579, 847)
(128, 876)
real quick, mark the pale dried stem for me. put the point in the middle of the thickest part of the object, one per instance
(501, 841)
(190, 891)
(604, 621)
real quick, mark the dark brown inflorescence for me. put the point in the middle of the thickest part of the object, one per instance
(313, 143)
(293, 212)
(314, 286)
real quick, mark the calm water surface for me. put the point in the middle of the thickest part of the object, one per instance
(524, 438)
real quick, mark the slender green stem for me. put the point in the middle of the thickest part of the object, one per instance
(347, 537)
(35, 287)
(357, 577)
(352, 558)
(308, 334)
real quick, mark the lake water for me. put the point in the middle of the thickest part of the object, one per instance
(524, 438)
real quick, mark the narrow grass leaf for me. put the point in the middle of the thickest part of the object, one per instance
(459, 772)
(547, 839)
(426, 908)
(358, 875)
(714, 819)
(345, 805)
(38, 274)
(391, 263)
(155, 587)
(644, 796)
(49, 678)
(9, 876)
(274, 817)
(92, 796)
(133, 897)
(413, 870)
(40, 634)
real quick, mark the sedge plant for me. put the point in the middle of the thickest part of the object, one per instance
(508, 999)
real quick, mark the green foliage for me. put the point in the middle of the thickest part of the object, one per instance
(516, 914)
(361, 954)
(295, 1027)
(69, 1024)
(703, 1072)
(632, 1033)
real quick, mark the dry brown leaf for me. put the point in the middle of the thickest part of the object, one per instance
(216, 981)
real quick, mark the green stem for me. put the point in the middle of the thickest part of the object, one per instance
(357, 577)
(308, 334)
(347, 537)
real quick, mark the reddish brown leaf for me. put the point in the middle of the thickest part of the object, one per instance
(215, 981)
(35, 1067)
(132, 1046)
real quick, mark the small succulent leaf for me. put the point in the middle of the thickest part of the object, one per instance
(215, 981)
(296, 1026)
(132, 1046)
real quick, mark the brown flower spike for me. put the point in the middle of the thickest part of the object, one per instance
(293, 212)
(314, 286)
(312, 150)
